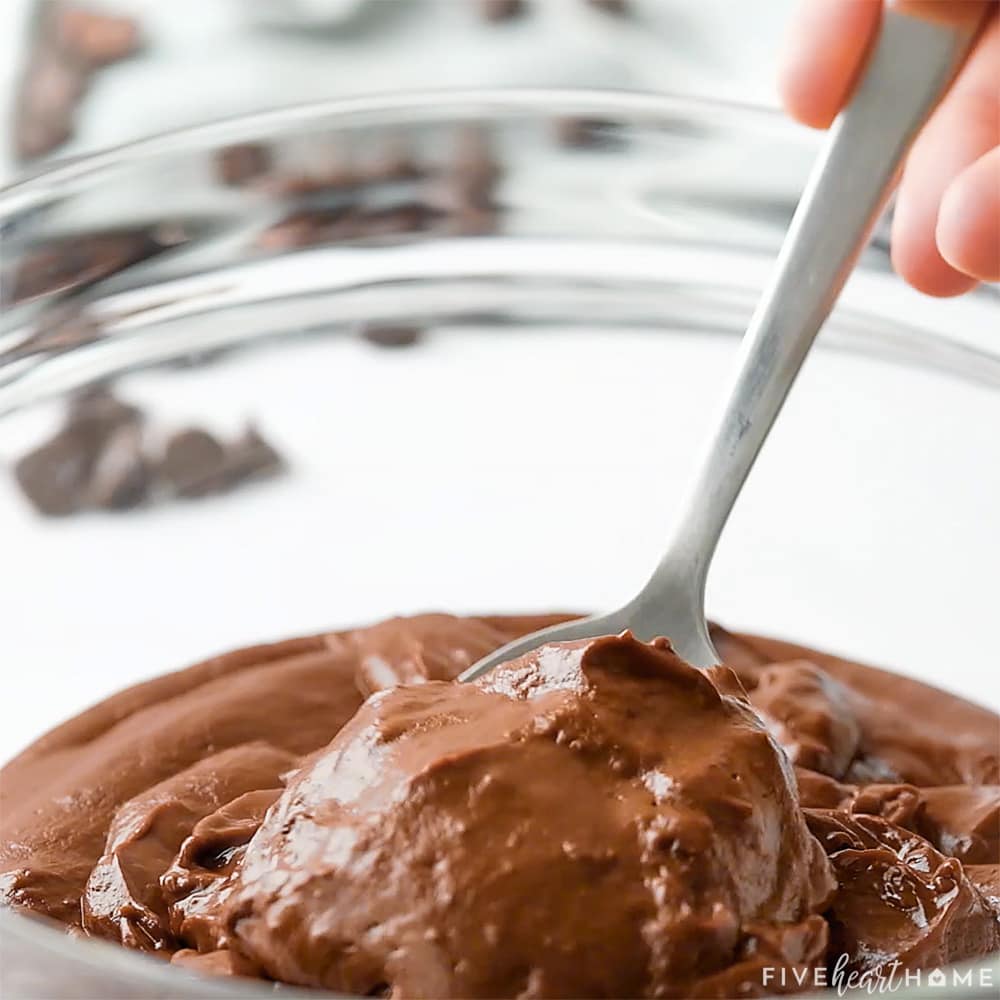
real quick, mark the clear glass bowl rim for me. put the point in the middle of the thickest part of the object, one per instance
(979, 360)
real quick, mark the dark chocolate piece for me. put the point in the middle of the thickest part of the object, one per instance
(336, 176)
(578, 131)
(617, 7)
(388, 335)
(464, 190)
(97, 460)
(250, 457)
(305, 227)
(50, 88)
(99, 408)
(193, 463)
(406, 217)
(71, 43)
(239, 164)
(394, 162)
(500, 10)
(56, 476)
(471, 220)
(120, 479)
(474, 168)
(73, 262)
(314, 226)
(62, 329)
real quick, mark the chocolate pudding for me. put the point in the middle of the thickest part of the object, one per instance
(597, 818)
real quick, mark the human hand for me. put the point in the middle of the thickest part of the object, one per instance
(946, 226)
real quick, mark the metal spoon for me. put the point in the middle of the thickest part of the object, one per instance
(913, 62)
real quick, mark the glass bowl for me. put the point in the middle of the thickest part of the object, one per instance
(486, 331)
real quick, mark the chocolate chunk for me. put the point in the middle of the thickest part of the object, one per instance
(392, 336)
(100, 409)
(73, 262)
(394, 162)
(406, 217)
(59, 330)
(37, 134)
(618, 7)
(120, 479)
(71, 43)
(94, 38)
(50, 88)
(474, 168)
(55, 477)
(193, 463)
(303, 228)
(195, 358)
(471, 220)
(336, 176)
(586, 132)
(464, 189)
(251, 457)
(239, 164)
(500, 10)
(97, 460)
(311, 227)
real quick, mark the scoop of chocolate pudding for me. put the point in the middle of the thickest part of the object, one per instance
(597, 818)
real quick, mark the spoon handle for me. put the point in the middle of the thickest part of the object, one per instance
(913, 62)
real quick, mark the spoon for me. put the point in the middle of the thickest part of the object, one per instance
(913, 62)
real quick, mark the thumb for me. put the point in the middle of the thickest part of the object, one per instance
(968, 224)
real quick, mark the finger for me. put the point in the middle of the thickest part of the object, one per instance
(965, 126)
(953, 12)
(968, 226)
(824, 54)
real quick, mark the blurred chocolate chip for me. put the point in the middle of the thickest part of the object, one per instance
(586, 132)
(500, 10)
(474, 169)
(98, 459)
(463, 191)
(335, 176)
(312, 227)
(192, 464)
(58, 329)
(239, 164)
(94, 38)
(471, 220)
(392, 336)
(37, 134)
(53, 81)
(303, 228)
(250, 456)
(100, 409)
(70, 43)
(394, 162)
(618, 7)
(55, 477)
(49, 90)
(406, 217)
(120, 479)
(76, 261)
(195, 358)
